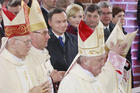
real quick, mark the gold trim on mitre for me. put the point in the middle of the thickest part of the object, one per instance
(117, 34)
(36, 18)
(19, 25)
(94, 44)
(38, 26)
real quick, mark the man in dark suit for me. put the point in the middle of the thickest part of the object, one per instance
(46, 6)
(62, 46)
(106, 17)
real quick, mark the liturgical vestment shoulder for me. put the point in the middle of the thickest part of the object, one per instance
(77, 81)
(14, 75)
(39, 65)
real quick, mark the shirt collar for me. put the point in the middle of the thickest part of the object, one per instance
(106, 27)
(63, 36)
(88, 73)
(14, 57)
(38, 50)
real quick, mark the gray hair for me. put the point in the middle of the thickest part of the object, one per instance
(104, 4)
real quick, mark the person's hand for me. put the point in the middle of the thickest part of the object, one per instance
(57, 75)
(119, 47)
(43, 88)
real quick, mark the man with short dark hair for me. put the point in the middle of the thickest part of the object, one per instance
(92, 15)
(62, 46)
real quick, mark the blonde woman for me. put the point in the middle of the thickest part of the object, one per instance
(75, 14)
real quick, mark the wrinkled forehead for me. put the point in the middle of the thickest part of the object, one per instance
(42, 30)
(25, 37)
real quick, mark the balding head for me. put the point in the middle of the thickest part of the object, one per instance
(93, 64)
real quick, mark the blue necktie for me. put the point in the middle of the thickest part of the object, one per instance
(61, 41)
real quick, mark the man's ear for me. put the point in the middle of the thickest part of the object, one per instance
(13, 40)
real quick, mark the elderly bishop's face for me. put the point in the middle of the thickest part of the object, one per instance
(96, 63)
(40, 38)
(22, 45)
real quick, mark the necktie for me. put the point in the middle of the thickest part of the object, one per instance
(106, 33)
(1, 32)
(61, 42)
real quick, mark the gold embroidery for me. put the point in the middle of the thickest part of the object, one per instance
(16, 30)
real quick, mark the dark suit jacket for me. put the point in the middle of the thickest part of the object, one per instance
(111, 27)
(62, 57)
(45, 14)
(1, 33)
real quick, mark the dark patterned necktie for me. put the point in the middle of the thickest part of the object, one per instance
(61, 41)
(106, 33)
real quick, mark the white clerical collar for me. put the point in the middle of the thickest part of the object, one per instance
(87, 72)
(16, 58)
(38, 50)
(106, 27)
(63, 36)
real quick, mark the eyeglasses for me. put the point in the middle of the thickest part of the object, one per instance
(26, 42)
(108, 13)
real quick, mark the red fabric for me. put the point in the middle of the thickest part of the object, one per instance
(84, 30)
(72, 30)
(10, 15)
(16, 30)
(119, 72)
(20, 29)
